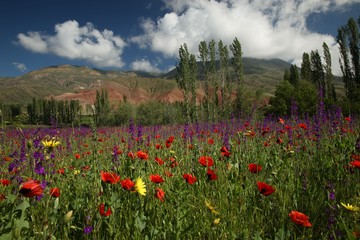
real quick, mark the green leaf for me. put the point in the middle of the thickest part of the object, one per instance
(140, 221)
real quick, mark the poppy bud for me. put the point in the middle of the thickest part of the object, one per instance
(68, 216)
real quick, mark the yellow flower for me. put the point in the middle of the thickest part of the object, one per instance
(50, 143)
(350, 207)
(76, 172)
(211, 208)
(140, 186)
(216, 221)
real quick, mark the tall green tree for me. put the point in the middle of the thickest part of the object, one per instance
(205, 60)
(235, 48)
(317, 71)
(225, 81)
(329, 77)
(102, 108)
(213, 79)
(186, 81)
(294, 76)
(306, 67)
(286, 76)
(349, 45)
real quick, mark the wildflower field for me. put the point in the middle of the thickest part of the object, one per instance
(239, 179)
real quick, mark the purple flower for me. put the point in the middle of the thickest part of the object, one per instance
(88, 229)
(37, 143)
(332, 196)
(38, 198)
(39, 169)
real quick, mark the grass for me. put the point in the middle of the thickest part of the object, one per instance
(308, 165)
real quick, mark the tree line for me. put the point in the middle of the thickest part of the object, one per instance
(303, 87)
(217, 72)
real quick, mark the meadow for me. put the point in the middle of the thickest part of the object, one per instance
(274, 178)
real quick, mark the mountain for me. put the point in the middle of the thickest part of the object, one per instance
(67, 82)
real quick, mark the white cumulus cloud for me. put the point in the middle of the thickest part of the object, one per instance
(101, 48)
(20, 66)
(265, 29)
(144, 65)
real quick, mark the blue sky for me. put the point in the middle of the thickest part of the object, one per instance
(146, 35)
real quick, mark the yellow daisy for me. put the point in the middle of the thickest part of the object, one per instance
(216, 221)
(50, 143)
(210, 207)
(140, 186)
(350, 207)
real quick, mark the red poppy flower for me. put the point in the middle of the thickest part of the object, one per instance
(160, 194)
(355, 163)
(279, 141)
(254, 168)
(5, 182)
(302, 125)
(159, 161)
(142, 155)
(7, 159)
(225, 152)
(348, 119)
(210, 141)
(167, 144)
(77, 155)
(168, 173)
(102, 210)
(158, 146)
(131, 155)
(127, 184)
(189, 178)
(250, 133)
(356, 234)
(55, 192)
(211, 174)
(264, 132)
(109, 177)
(173, 161)
(300, 218)
(31, 188)
(206, 161)
(171, 139)
(86, 168)
(156, 178)
(265, 189)
(61, 171)
(2, 197)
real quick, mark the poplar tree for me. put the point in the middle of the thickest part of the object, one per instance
(349, 44)
(225, 86)
(204, 58)
(294, 76)
(212, 72)
(235, 48)
(317, 71)
(102, 108)
(186, 81)
(330, 89)
(306, 67)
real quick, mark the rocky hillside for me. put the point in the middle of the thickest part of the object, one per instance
(66, 82)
